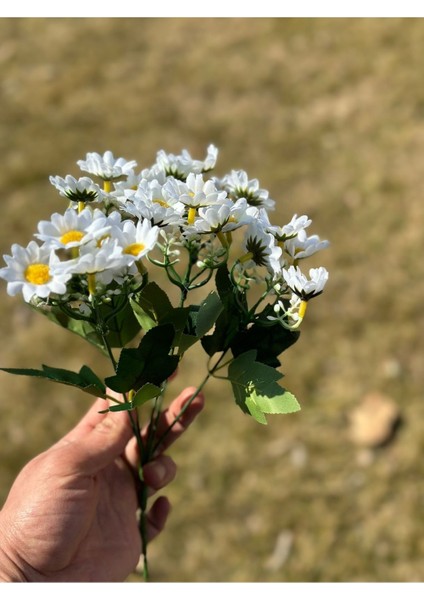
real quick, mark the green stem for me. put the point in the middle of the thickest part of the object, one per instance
(142, 491)
(199, 388)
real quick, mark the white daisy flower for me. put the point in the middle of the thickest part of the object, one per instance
(138, 240)
(303, 245)
(69, 230)
(102, 263)
(33, 271)
(303, 287)
(194, 193)
(150, 201)
(224, 217)
(238, 185)
(261, 249)
(107, 167)
(179, 166)
(77, 190)
(291, 230)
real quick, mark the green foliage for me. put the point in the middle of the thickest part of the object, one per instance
(145, 393)
(152, 307)
(150, 362)
(86, 379)
(230, 318)
(269, 338)
(119, 322)
(256, 390)
(209, 311)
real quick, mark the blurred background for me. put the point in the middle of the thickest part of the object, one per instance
(328, 114)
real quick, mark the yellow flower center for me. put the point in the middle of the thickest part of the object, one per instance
(38, 274)
(191, 215)
(134, 249)
(72, 236)
(161, 202)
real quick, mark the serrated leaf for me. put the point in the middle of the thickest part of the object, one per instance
(86, 379)
(149, 363)
(130, 364)
(273, 399)
(256, 390)
(186, 341)
(209, 311)
(121, 327)
(269, 341)
(145, 393)
(177, 317)
(150, 305)
(230, 319)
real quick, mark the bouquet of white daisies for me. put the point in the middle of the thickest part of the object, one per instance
(94, 270)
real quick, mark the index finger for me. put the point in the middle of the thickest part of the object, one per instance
(175, 419)
(168, 426)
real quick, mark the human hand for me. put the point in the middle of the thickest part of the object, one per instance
(71, 513)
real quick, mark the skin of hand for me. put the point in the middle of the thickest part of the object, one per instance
(70, 515)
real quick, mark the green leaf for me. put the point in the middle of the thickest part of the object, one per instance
(118, 407)
(209, 311)
(269, 341)
(122, 327)
(150, 305)
(177, 317)
(273, 399)
(86, 379)
(80, 327)
(149, 363)
(230, 319)
(256, 390)
(130, 365)
(145, 393)
(185, 342)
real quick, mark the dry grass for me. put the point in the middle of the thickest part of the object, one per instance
(329, 115)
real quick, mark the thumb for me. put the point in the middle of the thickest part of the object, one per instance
(98, 439)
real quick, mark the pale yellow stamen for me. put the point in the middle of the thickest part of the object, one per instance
(134, 249)
(101, 240)
(222, 238)
(302, 308)
(246, 257)
(71, 236)
(191, 215)
(38, 274)
(161, 202)
(91, 280)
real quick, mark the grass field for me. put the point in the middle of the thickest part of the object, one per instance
(329, 115)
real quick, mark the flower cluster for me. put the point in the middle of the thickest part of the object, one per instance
(103, 241)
